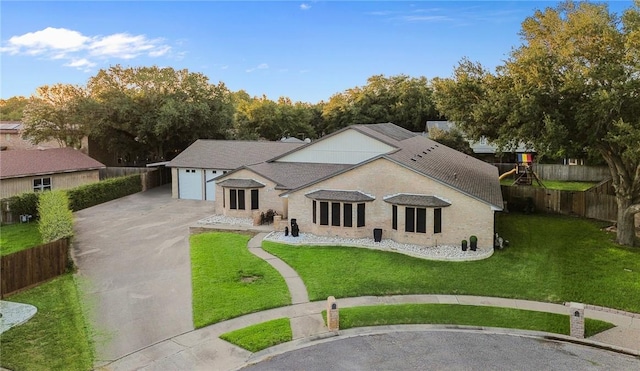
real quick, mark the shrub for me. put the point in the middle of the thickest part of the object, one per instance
(25, 203)
(56, 220)
(110, 189)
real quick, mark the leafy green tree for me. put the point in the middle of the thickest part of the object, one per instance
(452, 139)
(573, 86)
(57, 112)
(157, 112)
(11, 109)
(405, 101)
(263, 118)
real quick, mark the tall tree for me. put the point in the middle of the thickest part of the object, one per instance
(403, 100)
(573, 86)
(56, 112)
(157, 112)
(263, 118)
(11, 109)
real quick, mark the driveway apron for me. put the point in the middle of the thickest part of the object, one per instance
(134, 267)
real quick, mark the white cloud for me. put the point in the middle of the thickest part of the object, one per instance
(261, 66)
(305, 6)
(82, 51)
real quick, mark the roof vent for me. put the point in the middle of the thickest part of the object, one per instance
(455, 176)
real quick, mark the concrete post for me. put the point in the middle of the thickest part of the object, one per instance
(577, 320)
(333, 317)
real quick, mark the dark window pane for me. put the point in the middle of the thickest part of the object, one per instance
(394, 217)
(241, 199)
(254, 200)
(37, 182)
(324, 213)
(421, 220)
(224, 198)
(314, 212)
(46, 181)
(360, 215)
(409, 219)
(335, 213)
(348, 215)
(233, 201)
(437, 220)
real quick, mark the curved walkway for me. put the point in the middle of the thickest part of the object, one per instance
(202, 349)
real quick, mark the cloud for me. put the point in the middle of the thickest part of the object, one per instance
(261, 66)
(305, 6)
(82, 51)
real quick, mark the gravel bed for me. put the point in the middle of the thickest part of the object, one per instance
(441, 252)
(221, 219)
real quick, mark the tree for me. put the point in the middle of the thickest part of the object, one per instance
(573, 86)
(56, 112)
(263, 118)
(405, 101)
(452, 139)
(156, 112)
(11, 109)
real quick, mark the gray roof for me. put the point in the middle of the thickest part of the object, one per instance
(229, 154)
(11, 125)
(290, 175)
(343, 196)
(240, 183)
(27, 162)
(417, 200)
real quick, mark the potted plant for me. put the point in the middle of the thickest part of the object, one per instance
(473, 242)
(464, 245)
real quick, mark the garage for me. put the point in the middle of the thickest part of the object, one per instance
(210, 184)
(190, 184)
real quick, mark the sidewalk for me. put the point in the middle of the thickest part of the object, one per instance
(202, 349)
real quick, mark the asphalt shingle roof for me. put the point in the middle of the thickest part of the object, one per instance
(240, 183)
(417, 200)
(20, 163)
(229, 154)
(342, 196)
(290, 175)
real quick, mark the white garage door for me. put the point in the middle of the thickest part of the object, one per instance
(210, 185)
(190, 184)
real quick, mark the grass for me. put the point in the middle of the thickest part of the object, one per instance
(556, 184)
(16, 237)
(550, 259)
(56, 338)
(261, 336)
(463, 315)
(228, 281)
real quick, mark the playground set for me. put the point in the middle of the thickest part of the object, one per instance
(524, 174)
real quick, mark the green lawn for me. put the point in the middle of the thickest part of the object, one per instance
(261, 336)
(463, 315)
(56, 338)
(229, 281)
(551, 259)
(16, 237)
(556, 184)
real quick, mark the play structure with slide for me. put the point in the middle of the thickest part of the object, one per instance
(523, 171)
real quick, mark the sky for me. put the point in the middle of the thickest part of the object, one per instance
(306, 51)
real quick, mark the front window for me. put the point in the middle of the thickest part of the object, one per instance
(361, 215)
(415, 220)
(335, 214)
(42, 184)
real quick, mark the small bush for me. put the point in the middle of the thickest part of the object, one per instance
(110, 189)
(56, 220)
(25, 203)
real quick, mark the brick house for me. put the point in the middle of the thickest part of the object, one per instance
(37, 170)
(367, 177)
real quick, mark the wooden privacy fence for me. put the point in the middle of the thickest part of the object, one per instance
(27, 268)
(567, 173)
(584, 204)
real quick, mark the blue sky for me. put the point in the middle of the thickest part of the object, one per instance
(306, 51)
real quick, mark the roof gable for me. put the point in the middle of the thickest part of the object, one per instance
(20, 163)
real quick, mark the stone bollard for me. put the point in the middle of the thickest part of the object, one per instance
(577, 320)
(333, 317)
(256, 218)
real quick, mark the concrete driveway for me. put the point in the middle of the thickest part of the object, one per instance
(134, 267)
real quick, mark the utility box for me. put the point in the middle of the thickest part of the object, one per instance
(333, 317)
(577, 320)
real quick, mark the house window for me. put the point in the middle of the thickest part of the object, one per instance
(360, 215)
(313, 217)
(394, 217)
(335, 214)
(324, 213)
(42, 184)
(214, 171)
(254, 200)
(241, 199)
(415, 220)
(224, 195)
(233, 199)
(409, 219)
(348, 215)
(437, 220)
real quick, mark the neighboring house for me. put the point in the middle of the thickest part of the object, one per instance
(483, 149)
(195, 169)
(45, 169)
(11, 138)
(361, 178)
